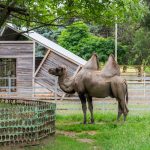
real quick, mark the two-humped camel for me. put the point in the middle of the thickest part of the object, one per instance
(89, 82)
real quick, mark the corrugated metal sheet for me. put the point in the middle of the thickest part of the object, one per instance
(51, 45)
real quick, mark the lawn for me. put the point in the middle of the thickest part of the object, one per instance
(108, 134)
(105, 134)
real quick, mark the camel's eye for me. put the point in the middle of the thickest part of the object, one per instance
(57, 69)
(62, 69)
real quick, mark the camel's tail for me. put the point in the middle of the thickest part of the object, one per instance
(127, 98)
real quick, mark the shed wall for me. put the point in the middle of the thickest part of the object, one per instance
(23, 52)
(53, 60)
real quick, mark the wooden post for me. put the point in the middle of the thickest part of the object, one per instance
(33, 90)
(43, 60)
(56, 89)
(33, 76)
(144, 86)
(9, 85)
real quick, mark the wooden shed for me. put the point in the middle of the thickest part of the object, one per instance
(16, 66)
(20, 46)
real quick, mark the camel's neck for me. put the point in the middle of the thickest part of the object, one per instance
(66, 83)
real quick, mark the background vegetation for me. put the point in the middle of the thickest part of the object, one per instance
(84, 27)
(78, 39)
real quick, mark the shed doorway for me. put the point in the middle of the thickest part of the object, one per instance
(7, 74)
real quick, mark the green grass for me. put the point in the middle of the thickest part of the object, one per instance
(109, 134)
(105, 134)
(62, 143)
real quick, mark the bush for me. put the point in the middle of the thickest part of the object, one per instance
(78, 39)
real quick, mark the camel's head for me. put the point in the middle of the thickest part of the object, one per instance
(58, 71)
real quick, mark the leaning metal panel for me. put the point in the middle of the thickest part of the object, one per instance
(26, 121)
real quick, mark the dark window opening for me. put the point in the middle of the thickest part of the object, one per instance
(7, 74)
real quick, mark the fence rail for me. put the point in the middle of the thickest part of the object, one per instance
(139, 88)
(37, 90)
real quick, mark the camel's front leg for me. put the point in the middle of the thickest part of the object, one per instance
(90, 106)
(84, 108)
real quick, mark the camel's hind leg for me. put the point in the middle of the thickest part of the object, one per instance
(119, 111)
(126, 112)
(90, 106)
(84, 107)
(124, 109)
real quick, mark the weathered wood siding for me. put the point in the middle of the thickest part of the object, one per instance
(51, 61)
(23, 52)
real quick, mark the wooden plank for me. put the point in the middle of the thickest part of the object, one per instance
(33, 68)
(52, 60)
(14, 42)
(23, 52)
(42, 62)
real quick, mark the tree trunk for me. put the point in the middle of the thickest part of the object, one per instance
(124, 69)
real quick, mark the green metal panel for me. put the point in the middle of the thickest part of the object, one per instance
(26, 121)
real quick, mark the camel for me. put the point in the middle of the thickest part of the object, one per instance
(89, 82)
(65, 81)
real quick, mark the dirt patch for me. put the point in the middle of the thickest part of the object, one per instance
(87, 132)
(74, 135)
(66, 133)
(91, 132)
(86, 140)
(68, 123)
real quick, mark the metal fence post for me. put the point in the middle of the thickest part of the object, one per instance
(9, 85)
(144, 86)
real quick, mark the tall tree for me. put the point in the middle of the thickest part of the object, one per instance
(146, 20)
(78, 39)
(141, 47)
(57, 12)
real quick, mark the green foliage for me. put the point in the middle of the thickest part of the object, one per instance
(71, 36)
(146, 19)
(141, 47)
(80, 41)
(147, 69)
(49, 34)
(54, 12)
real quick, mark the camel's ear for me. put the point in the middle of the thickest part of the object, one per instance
(63, 67)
